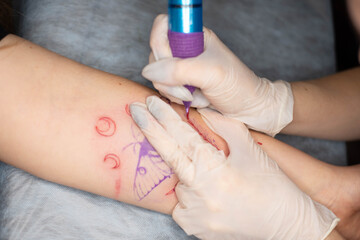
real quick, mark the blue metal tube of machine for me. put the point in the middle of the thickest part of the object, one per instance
(186, 35)
(185, 16)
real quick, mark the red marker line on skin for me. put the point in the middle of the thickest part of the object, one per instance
(106, 127)
(202, 135)
(117, 187)
(127, 110)
(114, 158)
(170, 192)
(259, 143)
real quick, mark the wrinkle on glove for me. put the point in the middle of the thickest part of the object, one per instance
(243, 196)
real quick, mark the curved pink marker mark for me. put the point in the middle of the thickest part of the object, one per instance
(127, 110)
(113, 158)
(105, 126)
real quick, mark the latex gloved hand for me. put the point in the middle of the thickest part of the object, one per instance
(225, 83)
(243, 196)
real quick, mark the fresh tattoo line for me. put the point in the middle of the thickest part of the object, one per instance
(151, 170)
(204, 136)
(172, 190)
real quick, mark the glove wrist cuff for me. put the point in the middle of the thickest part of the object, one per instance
(270, 110)
(285, 98)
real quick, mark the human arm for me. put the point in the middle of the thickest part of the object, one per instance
(49, 109)
(327, 107)
(53, 123)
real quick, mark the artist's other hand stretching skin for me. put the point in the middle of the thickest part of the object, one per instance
(242, 196)
(323, 108)
(338, 188)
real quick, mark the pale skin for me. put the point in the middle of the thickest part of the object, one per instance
(328, 107)
(51, 105)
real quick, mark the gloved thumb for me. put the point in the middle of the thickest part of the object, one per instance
(234, 132)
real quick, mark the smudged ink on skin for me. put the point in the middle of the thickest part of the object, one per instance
(151, 170)
(114, 158)
(105, 126)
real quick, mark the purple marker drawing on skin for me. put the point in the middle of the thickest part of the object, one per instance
(151, 170)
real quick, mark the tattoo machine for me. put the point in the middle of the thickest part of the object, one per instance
(186, 36)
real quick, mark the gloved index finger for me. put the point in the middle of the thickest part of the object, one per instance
(163, 143)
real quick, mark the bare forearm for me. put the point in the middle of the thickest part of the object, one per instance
(69, 124)
(334, 235)
(327, 107)
(301, 168)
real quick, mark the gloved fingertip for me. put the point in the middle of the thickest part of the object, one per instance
(171, 98)
(151, 100)
(138, 113)
(155, 71)
(161, 110)
(154, 104)
(199, 100)
(161, 18)
(146, 69)
(181, 93)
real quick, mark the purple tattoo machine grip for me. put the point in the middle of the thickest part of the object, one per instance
(185, 34)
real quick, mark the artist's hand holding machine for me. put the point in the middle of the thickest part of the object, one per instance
(244, 195)
(223, 82)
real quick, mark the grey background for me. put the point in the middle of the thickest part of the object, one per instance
(279, 39)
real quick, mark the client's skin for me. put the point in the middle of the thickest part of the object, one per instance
(69, 124)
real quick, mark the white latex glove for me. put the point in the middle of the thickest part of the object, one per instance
(226, 83)
(242, 196)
